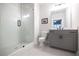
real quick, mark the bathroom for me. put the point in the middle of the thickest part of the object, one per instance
(21, 25)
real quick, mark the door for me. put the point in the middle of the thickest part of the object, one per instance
(27, 25)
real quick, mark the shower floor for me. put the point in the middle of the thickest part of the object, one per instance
(32, 50)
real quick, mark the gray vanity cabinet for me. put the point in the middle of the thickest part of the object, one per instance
(64, 39)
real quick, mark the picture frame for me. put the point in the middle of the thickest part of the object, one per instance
(44, 20)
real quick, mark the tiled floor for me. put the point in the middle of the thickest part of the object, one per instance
(32, 50)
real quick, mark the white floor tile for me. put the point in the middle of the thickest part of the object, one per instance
(32, 50)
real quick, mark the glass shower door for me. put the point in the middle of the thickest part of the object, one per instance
(27, 23)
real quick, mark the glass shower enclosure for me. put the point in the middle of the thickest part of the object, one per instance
(27, 23)
(16, 26)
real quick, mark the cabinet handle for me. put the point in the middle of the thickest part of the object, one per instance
(60, 37)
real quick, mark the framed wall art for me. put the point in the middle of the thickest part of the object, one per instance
(44, 20)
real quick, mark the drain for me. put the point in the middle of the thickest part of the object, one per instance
(23, 46)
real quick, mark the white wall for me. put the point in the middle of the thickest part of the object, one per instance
(9, 14)
(75, 15)
(36, 22)
(75, 19)
(69, 16)
(44, 13)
